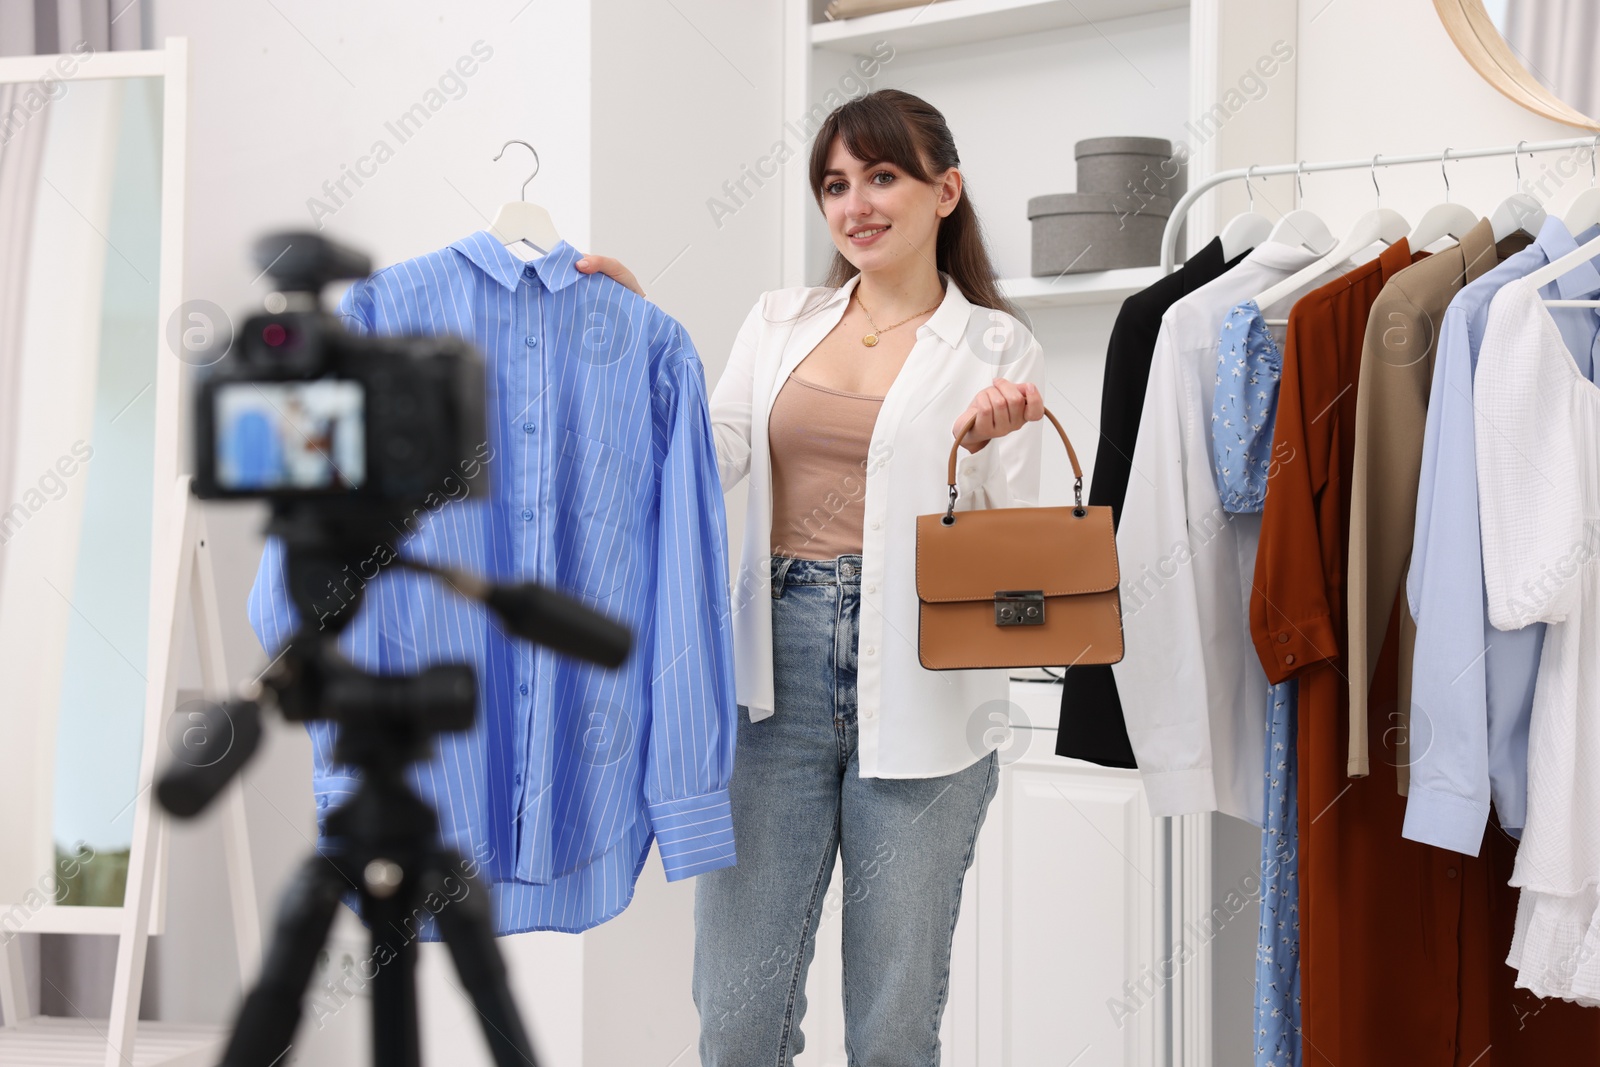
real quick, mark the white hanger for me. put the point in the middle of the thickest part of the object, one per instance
(1246, 230)
(1379, 224)
(1519, 211)
(1556, 268)
(1585, 209)
(519, 222)
(1301, 228)
(1442, 220)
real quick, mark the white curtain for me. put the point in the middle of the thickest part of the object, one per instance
(1557, 41)
(42, 27)
(36, 27)
(20, 155)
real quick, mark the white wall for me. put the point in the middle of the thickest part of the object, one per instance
(687, 98)
(1378, 76)
(286, 96)
(639, 111)
(686, 95)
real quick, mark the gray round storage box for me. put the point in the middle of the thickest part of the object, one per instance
(1078, 232)
(1126, 164)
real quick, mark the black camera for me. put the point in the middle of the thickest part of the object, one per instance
(301, 408)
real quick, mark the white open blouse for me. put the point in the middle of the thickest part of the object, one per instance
(912, 722)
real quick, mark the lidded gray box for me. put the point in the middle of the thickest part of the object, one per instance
(1078, 232)
(1125, 164)
(1126, 189)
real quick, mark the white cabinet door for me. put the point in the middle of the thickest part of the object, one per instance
(1068, 916)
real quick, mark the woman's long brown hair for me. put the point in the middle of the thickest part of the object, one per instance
(892, 126)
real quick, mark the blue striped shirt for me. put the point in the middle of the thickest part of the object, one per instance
(604, 484)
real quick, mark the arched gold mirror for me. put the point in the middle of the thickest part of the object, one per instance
(1539, 53)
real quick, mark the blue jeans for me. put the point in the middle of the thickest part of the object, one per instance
(798, 801)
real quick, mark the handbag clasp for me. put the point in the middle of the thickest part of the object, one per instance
(1019, 607)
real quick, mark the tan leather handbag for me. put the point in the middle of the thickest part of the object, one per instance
(1017, 587)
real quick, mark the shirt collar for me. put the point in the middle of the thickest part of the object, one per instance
(1280, 256)
(1555, 241)
(949, 320)
(556, 268)
(1478, 251)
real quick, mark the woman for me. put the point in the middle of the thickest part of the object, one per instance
(848, 745)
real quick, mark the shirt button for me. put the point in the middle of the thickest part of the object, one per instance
(527, 270)
(874, 525)
(1449, 872)
(519, 779)
(871, 650)
(970, 469)
(1289, 659)
(527, 513)
(868, 712)
(533, 342)
(1283, 639)
(522, 689)
(527, 427)
(872, 588)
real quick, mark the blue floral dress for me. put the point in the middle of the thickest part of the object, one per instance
(1244, 409)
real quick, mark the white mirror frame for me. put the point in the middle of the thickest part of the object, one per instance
(143, 902)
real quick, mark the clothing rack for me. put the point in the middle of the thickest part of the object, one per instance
(1169, 236)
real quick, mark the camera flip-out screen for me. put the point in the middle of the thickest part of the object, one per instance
(293, 435)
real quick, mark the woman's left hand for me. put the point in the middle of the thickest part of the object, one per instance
(1002, 407)
(611, 268)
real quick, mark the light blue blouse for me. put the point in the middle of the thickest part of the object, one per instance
(1243, 411)
(1244, 408)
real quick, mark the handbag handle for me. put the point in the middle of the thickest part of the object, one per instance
(966, 427)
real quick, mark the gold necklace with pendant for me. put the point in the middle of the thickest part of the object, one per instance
(872, 338)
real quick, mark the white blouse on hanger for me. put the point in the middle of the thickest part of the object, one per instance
(1537, 429)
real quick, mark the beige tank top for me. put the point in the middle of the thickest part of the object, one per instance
(819, 439)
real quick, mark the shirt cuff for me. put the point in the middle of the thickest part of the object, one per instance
(1444, 820)
(1179, 792)
(694, 834)
(1290, 646)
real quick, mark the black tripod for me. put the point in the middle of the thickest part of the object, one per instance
(384, 841)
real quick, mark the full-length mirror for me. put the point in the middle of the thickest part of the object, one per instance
(80, 196)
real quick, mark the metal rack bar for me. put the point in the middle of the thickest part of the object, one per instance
(1169, 236)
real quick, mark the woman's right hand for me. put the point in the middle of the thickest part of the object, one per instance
(612, 269)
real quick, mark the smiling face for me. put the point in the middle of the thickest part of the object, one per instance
(878, 214)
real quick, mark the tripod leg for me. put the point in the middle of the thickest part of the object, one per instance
(271, 1013)
(465, 925)
(395, 1038)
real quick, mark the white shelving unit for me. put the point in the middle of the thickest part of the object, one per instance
(957, 22)
(1070, 290)
(1075, 889)
(1008, 69)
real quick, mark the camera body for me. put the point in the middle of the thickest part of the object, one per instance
(302, 409)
